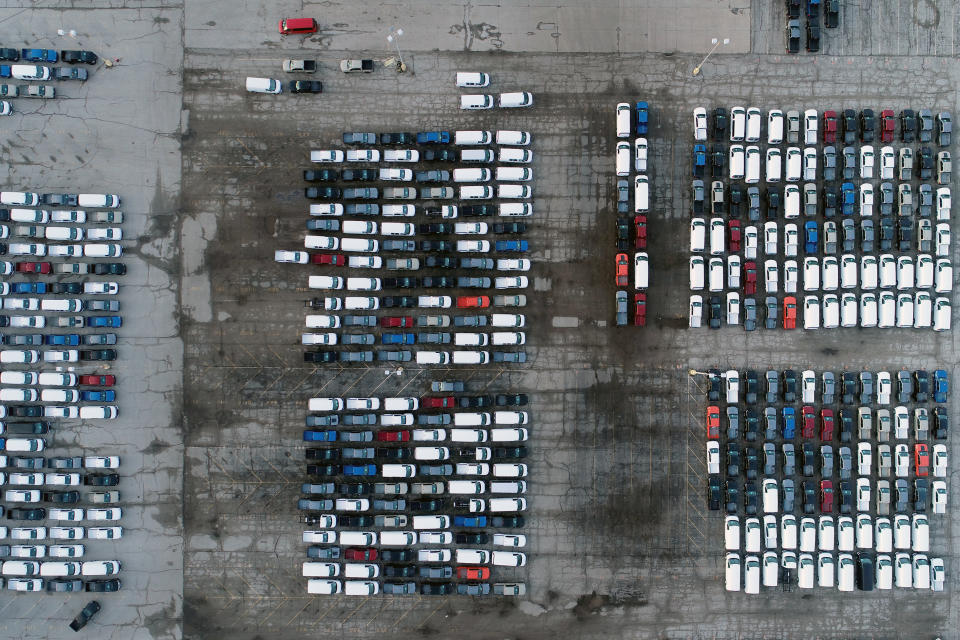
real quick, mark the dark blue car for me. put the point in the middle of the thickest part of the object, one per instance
(469, 521)
(849, 197)
(399, 338)
(789, 423)
(941, 385)
(98, 396)
(810, 237)
(511, 245)
(320, 436)
(643, 117)
(69, 339)
(437, 137)
(28, 287)
(359, 469)
(39, 55)
(104, 321)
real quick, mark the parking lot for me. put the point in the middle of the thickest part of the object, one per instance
(619, 538)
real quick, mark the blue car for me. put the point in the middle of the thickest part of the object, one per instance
(39, 55)
(98, 396)
(469, 521)
(399, 338)
(810, 237)
(849, 198)
(4, 71)
(699, 160)
(941, 385)
(28, 287)
(359, 469)
(104, 321)
(320, 436)
(69, 339)
(437, 137)
(789, 423)
(643, 117)
(511, 245)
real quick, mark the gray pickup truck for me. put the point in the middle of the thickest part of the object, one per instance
(356, 66)
(300, 66)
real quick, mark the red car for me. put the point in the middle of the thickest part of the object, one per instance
(98, 381)
(887, 125)
(393, 436)
(789, 312)
(734, 236)
(623, 269)
(808, 422)
(473, 573)
(328, 258)
(829, 127)
(921, 458)
(749, 278)
(444, 402)
(360, 554)
(396, 321)
(473, 302)
(33, 267)
(826, 496)
(640, 309)
(640, 231)
(713, 422)
(826, 425)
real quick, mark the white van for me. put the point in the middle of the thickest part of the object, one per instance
(396, 229)
(522, 191)
(321, 242)
(423, 357)
(323, 587)
(471, 419)
(733, 572)
(17, 356)
(317, 321)
(397, 538)
(471, 357)
(19, 377)
(476, 155)
(264, 85)
(26, 444)
(791, 201)
(462, 487)
(98, 200)
(623, 158)
(472, 138)
(517, 99)
(775, 126)
(401, 404)
(641, 270)
(320, 569)
(508, 337)
(100, 568)
(641, 194)
(512, 487)
(623, 120)
(433, 522)
(509, 559)
(398, 470)
(30, 72)
(64, 234)
(359, 227)
(22, 198)
(476, 193)
(472, 80)
(18, 395)
(360, 588)
(98, 413)
(509, 435)
(753, 165)
(469, 339)
(473, 556)
(507, 320)
(471, 175)
(361, 302)
(326, 404)
(474, 101)
(520, 138)
(325, 282)
(63, 305)
(515, 210)
(326, 209)
(736, 162)
(502, 505)
(753, 125)
(738, 124)
(511, 417)
(359, 245)
(524, 174)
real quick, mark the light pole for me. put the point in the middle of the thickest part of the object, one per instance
(394, 37)
(716, 43)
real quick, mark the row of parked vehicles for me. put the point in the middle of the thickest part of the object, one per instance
(409, 512)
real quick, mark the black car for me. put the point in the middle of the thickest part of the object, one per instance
(11, 55)
(478, 210)
(98, 354)
(404, 571)
(322, 454)
(475, 401)
(471, 538)
(361, 175)
(716, 312)
(431, 245)
(440, 282)
(849, 381)
(319, 356)
(513, 522)
(513, 400)
(789, 385)
(921, 386)
(86, 614)
(25, 411)
(830, 201)
(436, 588)
(320, 175)
(926, 163)
(733, 495)
(428, 228)
(887, 233)
(809, 459)
(438, 155)
(809, 496)
(396, 138)
(750, 497)
(108, 479)
(432, 175)
(305, 86)
(715, 390)
(109, 268)
(846, 425)
(401, 453)
(397, 555)
(66, 287)
(908, 125)
(355, 521)
(846, 497)
(513, 453)
(904, 233)
(793, 8)
(103, 585)
(60, 497)
(751, 386)
(623, 234)
(76, 57)
(850, 127)
(426, 505)
(773, 204)
(813, 38)
(714, 493)
(941, 423)
(720, 121)
(60, 199)
(509, 227)
(318, 193)
(402, 302)
(26, 514)
(718, 160)
(733, 459)
(439, 262)
(403, 282)
(867, 125)
(354, 489)
(831, 14)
